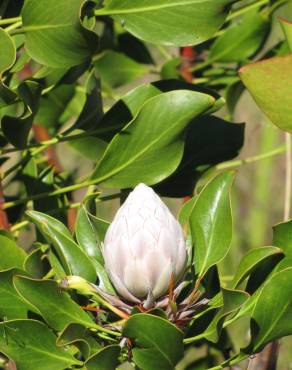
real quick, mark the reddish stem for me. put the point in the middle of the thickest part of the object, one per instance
(188, 55)
(4, 222)
(41, 134)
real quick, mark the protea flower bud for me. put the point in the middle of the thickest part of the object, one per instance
(144, 247)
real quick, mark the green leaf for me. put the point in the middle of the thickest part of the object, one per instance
(232, 301)
(55, 306)
(35, 264)
(90, 232)
(11, 256)
(12, 306)
(54, 104)
(287, 28)
(282, 238)
(8, 52)
(105, 359)
(16, 129)
(92, 111)
(144, 152)
(209, 140)
(87, 235)
(116, 69)
(129, 105)
(211, 223)
(90, 147)
(169, 22)
(54, 35)
(273, 94)
(134, 48)
(32, 345)
(272, 315)
(73, 258)
(81, 337)
(242, 39)
(158, 343)
(251, 261)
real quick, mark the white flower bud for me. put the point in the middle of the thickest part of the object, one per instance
(144, 247)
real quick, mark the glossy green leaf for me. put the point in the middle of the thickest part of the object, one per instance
(73, 258)
(211, 223)
(11, 256)
(144, 152)
(12, 306)
(105, 359)
(116, 69)
(90, 232)
(55, 306)
(158, 343)
(251, 260)
(272, 315)
(54, 35)
(272, 94)
(87, 233)
(242, 39)
(287, 28)
(169, 22)
(32, 345)
(8, 52)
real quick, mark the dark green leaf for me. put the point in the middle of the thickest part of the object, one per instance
(158, 343)
(105, 359)
(35, 264)
(53, 105)
(209, 141)
(16, 129)
(81, 337)
(134, 48)
(211, 223)
(92, 111)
